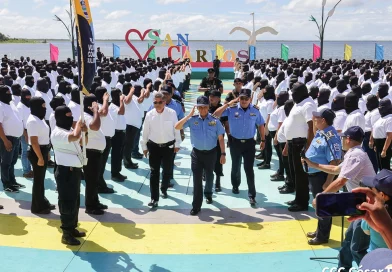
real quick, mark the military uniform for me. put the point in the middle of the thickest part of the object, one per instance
(204, 136)
(211, 84)
(243, 129)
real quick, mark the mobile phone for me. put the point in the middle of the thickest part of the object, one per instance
(339, 204)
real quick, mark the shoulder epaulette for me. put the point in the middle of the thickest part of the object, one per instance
(256, 107)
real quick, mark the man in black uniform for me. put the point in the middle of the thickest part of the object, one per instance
(215, 103)
(210, 83)
(99, 54)
(238, 84)
(216, 66)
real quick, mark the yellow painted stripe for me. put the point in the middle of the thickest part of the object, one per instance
(279, 236)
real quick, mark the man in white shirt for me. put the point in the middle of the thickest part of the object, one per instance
(69, 160)
(299, 135)
(121, 81)
(375, 81)
(355, 116)
(160, 140)
(107, 79)
(29, 84)
(11, 129)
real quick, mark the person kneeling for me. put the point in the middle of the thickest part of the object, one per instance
(69, 160)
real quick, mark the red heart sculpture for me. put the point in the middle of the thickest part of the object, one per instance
(142, 39)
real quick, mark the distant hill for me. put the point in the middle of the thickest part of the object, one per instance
(7, 39)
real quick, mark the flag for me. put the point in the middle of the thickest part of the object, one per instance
(54, 53)
(348, 52)
(316, 52)
(86, 44)
(220, 51)
(152, 54)
(285, 52)
(116, 51)
(379, 52)
(252, 52)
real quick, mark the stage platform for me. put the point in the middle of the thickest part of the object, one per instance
(228, 235)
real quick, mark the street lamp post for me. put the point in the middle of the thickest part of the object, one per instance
(321, 28)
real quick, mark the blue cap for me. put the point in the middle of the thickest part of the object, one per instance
(167, 89)
(245, 92)
(354, 133)
(325, 113)
(377, 260)
(202, 101)
(382, 182)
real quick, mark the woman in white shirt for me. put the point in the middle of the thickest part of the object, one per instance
(275, 121)
(266, 108)
(338, 107)
(371, 117)
(382, 135)
(38, 132)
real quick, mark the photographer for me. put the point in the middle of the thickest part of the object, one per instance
(355, 166)
(325, 148)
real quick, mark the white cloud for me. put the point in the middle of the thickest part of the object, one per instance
(167, 2)
(4, 12)
(117, 14)
(98, 3)
(39, 2)
(103, 11)
(56, 9)
(255, 1)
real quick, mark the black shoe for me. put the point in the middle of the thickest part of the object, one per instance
(171, 185)
(101, 206)
(19, 186)
(218, 189)
(209, 200)
(194, 212)
(316, 242)
(274, 175)
(137, 156)
(290, 203)
(106, 190)
(51, 164)
(278, 178)
(52, 207)
(260, 164)
(235, 191)
(252, 201)
(95, 212)
(131, 166)
(119, 178)
(45, 211)
(153, 203)
(164, 194)
(265, 166)
(282, 187)
(286, 191)
(311, 235)
(298, 208)
(70, 240)
(78, 234)
(11, 189)
(259, 156)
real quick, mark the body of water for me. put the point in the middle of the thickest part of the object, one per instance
(265, 49)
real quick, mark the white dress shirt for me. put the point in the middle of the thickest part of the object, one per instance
(75, 109)
(39, 128)
(24, 113)
(108, 122)
(134, 113)
(382, 127)
(66, 153)
(96, 139)
(11, 120)
(159, 128)
(47, 99)
(355, 118)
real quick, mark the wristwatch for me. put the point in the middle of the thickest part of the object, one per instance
(262, 141)
(223, 154)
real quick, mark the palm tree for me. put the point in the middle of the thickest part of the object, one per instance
(321, 28)
(69, 28)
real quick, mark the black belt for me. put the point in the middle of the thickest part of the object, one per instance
(95, 151)
(298, 140)
(41, 146)
(162, 145)
(242, 140)
(205, 151)
(314, 174)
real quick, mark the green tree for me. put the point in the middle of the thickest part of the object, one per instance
(3, 37)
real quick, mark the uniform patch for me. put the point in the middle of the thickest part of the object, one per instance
(212, 123)
(318, 141)
(252, 114)
(196, 123)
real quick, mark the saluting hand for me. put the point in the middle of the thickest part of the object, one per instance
(106, 97)
(94, 107)
(232, 102)
(192, 112)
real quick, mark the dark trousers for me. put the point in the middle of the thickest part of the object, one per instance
(68, 187)
(117, 152)
(105, 156)
(217, 72)
(218, 166)
(245, 150)
(316, 182)
(383, 163)
(279, 154)
(371, 153)
(297, 172)
(355, 245)
(268, 149)
(39, 201)
(286, 165)
(130, 135)
(135, 149)
(202, 161)
(159, 156)
(8, 161)
(91, 175)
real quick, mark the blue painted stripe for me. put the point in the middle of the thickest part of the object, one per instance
(35, 260)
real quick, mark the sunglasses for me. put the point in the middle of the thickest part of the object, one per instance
(244, 98)
(158, 103)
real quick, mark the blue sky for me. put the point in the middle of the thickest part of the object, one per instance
(203, 19)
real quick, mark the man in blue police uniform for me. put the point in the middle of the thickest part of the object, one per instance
(326, 148)
(243, 119)
(205, 130)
